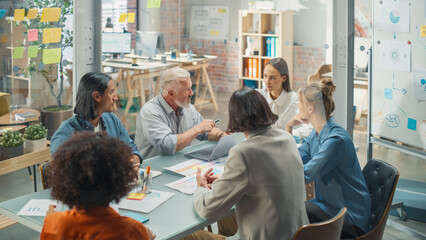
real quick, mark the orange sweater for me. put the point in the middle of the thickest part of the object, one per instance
(99, 223)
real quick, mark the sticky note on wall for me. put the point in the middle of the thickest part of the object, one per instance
(51, 56)
(2, 13)
(4, 39)
(32, 13)
(423, 30)
(153, 4)
(123, 17)
(32, 35)
(388, 93)
(412, 124)
(19, 15)
(51, 35)
(32, 51)
(130, 17)
(50, 14)
(18, 52)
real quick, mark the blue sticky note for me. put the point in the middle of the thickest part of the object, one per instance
(412, 124)
(2, 13)
(388, 93)
(137, 217)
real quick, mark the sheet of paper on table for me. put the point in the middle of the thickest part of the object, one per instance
(147, 204)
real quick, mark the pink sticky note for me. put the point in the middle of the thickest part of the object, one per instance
(32, 35)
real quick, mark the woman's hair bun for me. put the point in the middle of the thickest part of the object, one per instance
(327, 86)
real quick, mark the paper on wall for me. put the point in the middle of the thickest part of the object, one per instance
(419, 84)
(395, 55)
(393, 16)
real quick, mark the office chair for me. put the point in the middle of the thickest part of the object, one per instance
(326, 230)
(381, 179)
(43, 170)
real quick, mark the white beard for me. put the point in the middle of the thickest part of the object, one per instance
(184, 105)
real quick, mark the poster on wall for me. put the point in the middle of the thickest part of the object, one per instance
(209, 22)
(393, 16)
(395, 55)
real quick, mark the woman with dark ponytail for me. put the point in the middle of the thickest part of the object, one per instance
(330, 159)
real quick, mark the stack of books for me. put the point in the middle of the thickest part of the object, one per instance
(251, 67)
(26, 117)
(271, 46)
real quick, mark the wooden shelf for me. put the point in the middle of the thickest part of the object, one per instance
(257, 24)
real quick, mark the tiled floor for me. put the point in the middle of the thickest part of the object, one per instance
(18, 183)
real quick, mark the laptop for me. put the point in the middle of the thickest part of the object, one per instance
(221, 149)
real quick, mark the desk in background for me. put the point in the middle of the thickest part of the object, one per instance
(153, 68)
(173, 219)
(5, 119)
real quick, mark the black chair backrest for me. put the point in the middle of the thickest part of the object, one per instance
(381, 178)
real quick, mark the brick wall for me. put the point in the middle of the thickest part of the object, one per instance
(169, 25)
(306, 62)
(132, 27)
(223, 71)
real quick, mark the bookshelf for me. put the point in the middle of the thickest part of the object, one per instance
(15, 38)
(263, 35)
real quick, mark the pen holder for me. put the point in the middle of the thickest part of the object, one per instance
(147, 183)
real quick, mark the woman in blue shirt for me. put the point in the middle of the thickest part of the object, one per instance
(93, 112)
(330, 159)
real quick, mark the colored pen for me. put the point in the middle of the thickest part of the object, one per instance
(216, 121)
(148, 169)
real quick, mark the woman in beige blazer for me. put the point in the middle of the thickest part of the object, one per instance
(263, 176)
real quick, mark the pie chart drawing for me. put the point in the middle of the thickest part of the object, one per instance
(394, 16)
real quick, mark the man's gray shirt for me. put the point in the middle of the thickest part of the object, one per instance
(157, 127)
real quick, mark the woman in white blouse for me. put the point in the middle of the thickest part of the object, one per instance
(277, 91)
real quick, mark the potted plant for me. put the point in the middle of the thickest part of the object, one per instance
(51, 116)
(11, 145)
(35, 136)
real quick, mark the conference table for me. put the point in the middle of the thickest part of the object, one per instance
(173, 219)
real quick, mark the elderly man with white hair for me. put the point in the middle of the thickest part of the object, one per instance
(168, 123)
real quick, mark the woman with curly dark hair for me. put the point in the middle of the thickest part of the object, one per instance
(263, 177)
(87, 174)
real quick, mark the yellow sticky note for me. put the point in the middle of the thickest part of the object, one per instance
(51, 35)
(18, 52)
(214, 33)
(32, 13)
(32, 51)
(123, 17)
(150, 4)
(19, 15)
(4, 39)
(423, 30)
(130, 17)
(50, 14)
(136, 196)
(153, 4)
(51, 56)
